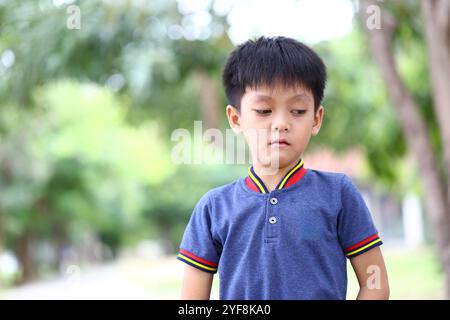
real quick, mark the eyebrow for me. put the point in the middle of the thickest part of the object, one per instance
(299, 96)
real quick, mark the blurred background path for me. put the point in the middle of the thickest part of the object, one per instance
(413, 275)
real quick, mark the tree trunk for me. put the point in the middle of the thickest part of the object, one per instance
(436, 15)
(414, 129)
(6, 178)
(2, 231)
(208, 99)
(2, 238)
(60, 241)
(25, 258)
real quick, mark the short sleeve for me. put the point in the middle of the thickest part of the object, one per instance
(356, 231)
(198, 247)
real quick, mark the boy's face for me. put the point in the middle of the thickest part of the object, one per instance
(277, 123)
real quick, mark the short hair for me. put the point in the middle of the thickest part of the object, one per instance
(265, 61)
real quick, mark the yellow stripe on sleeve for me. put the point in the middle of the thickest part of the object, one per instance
(196, 263)
(362, 248)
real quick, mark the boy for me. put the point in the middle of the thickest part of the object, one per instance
(284, 231)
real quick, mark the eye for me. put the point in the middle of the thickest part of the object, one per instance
(298, 112)
(263, 112)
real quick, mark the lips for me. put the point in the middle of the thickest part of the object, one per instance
(280, 142)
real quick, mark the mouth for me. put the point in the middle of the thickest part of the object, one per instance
(280, 143)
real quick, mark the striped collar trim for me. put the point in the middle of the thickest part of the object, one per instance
(294, 175)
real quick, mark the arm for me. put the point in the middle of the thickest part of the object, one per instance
(196, 284)
(372, 275)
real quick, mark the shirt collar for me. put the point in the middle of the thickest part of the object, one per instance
(294, 175)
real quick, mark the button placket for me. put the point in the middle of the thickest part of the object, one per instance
(272, 220)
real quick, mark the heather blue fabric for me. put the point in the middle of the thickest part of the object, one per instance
(298, 257)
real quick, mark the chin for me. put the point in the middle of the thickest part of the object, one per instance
(284, 160)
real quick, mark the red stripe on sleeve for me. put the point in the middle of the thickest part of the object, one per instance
(206, 262)
(363, 242)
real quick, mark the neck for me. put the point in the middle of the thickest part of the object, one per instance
(271, 180)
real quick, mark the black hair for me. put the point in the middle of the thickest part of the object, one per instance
(265, 61)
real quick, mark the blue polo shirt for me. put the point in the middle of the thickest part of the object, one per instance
(290, 243)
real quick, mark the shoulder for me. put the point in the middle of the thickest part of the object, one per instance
(336, 185)
(214, 205)
(219, 192)
(328, 178)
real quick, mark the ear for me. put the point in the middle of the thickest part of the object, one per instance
(318, 117)
(234, 119)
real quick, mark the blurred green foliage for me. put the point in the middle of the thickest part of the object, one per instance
(86, 118)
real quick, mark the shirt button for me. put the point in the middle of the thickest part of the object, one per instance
(273, 200)
(273, 220)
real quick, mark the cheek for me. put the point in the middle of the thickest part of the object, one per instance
(303, 133)
(253, 125)
(257, 136)
(253, 122)
(304, 126)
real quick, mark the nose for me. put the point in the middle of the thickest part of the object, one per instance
(282, 128)
(280, 123)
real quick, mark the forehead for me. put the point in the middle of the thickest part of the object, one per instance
(278, 92)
